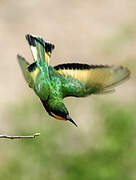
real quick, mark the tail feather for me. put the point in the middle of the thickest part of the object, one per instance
(37, 44)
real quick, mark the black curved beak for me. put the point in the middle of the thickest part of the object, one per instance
(71, 120)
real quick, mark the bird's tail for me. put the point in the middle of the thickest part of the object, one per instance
(40, 49)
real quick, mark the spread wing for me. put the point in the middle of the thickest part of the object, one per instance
(81, 79)
(24, 67)
(34, 41)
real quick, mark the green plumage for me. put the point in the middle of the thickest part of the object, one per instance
(52, 84)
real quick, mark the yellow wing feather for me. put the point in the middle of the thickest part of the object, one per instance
(103, 76)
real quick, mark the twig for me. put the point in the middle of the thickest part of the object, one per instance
(19, 137)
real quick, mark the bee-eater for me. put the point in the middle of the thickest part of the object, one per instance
(52, 84)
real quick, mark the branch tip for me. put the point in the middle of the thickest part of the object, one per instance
(36, 134)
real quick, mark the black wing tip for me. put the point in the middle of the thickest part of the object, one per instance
(47, 45)
(72, 66)
(32, 67)
(30, 39)
(79, 66)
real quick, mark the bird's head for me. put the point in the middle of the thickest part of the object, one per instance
(59, 111)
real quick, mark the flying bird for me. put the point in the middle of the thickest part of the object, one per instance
(53, 84)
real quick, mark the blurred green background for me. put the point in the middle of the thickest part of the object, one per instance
(103, 147)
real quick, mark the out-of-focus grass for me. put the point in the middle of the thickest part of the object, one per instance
(48, 156)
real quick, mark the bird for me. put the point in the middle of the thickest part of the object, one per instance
(54, 83)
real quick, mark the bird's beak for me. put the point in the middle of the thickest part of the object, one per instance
(71, 120)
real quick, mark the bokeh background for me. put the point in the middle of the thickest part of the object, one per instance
(103, 147)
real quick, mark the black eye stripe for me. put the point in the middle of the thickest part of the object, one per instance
(47, 46)
(59, 113)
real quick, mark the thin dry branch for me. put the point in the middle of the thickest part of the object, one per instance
(19, 137)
